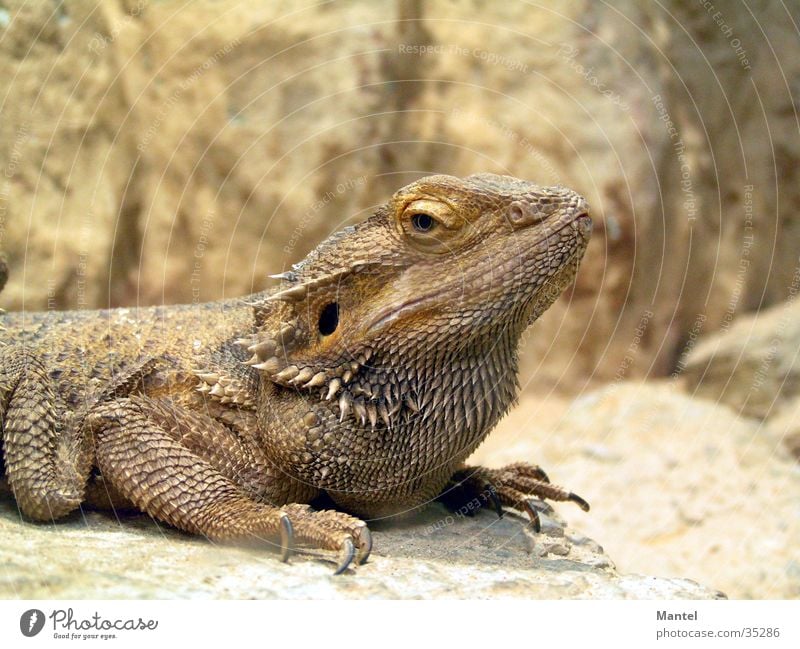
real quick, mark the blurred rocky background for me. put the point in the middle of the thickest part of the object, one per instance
(162, 152)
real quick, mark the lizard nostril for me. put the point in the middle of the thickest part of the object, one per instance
(521, 214)
(516, 213)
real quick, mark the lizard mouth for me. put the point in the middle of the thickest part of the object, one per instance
(581, 224)
(393, 312)
(553, 286)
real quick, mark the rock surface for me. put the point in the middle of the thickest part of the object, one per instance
(678, 486)
(754, 366)
(785, 426)
(94, 556)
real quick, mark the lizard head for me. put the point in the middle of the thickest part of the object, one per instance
(447, 265)
(445, 258)
(482, 253)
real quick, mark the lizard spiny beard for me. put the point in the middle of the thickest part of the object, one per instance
(439, 397)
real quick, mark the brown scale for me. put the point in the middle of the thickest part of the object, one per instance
(367, 377)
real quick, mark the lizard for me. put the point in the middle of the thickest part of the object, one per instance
(362, 381)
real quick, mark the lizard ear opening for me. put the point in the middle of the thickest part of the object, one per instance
(329, 319)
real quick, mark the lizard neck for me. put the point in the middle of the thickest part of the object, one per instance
(451, 395)
(399, 428)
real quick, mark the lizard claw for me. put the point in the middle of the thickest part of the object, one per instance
(348, 552)
(521, 486)
(498, 506)
(287, 538)
(580, 502)
(530, 510)
(364, 545)
(331, 531)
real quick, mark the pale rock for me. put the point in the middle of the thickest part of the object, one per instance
(693, 490)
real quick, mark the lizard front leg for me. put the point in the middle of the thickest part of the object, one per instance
(188, 470)
(141, 458)
(511, 486)
(46, 454)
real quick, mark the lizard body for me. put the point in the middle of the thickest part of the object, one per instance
(366, 378)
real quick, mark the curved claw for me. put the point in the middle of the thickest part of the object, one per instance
(542, 475)
(580, 502)
(287, 538)
(536, 522)
(498, 507)
(349, 551)
(364, 546)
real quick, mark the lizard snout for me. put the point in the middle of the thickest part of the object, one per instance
(528, 211)
(523, 213)
(582, 223)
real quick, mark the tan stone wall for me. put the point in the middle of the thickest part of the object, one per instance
(165, 152)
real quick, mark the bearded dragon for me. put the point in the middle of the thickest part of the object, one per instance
(363, 380)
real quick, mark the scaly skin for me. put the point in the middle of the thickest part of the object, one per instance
(366, 378)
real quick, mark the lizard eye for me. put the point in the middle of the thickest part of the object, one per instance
(329, 319)
(423, 222)
(431, 226)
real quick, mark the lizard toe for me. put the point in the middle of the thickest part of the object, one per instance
(521, 486)
(332, 531)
